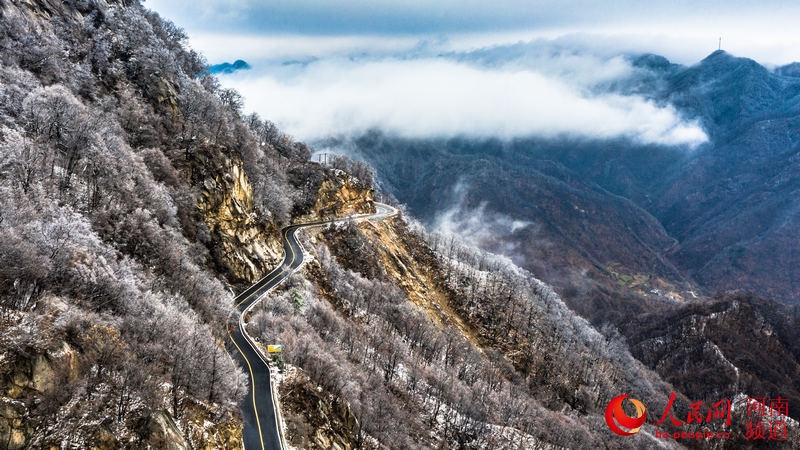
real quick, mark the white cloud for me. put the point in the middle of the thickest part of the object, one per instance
(432, 97)
(482, 228)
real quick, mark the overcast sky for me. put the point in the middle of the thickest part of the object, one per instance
(323, 67)
(419, 16)
(764, 30)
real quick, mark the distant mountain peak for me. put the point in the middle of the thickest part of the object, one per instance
(227, 67)
(721, 61)
(718, 57)
(719, 54)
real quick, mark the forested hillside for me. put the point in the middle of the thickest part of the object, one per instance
(426, 342)
(128, 180)
(421, 340)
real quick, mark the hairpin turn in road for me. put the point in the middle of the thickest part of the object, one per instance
(261, 429)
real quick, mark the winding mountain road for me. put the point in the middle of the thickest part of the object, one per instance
(261, 429)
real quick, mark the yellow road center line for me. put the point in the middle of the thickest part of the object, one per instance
(285, 238)
(254, 292)
(252, 385)
(249, 367)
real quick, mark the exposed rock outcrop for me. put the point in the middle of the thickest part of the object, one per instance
(14, 432)
(43, 373)
(36, 374)
(164, 434)
(341, 196)
(315, 418)
(737, 342)
(246, 248)
(39, 372)
(205, 430)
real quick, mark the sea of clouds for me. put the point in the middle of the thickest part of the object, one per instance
(419, 89)
(509, 68)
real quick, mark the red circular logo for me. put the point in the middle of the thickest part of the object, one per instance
(618, 421)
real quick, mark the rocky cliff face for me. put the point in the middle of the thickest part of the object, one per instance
(37, 374)
(340, 195)
(14, 431)
(164, 434)
(246, 247)
(537, 203)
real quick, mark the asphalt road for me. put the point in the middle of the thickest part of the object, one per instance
(260, 424)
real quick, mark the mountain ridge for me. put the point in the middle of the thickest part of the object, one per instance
(707, 198)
